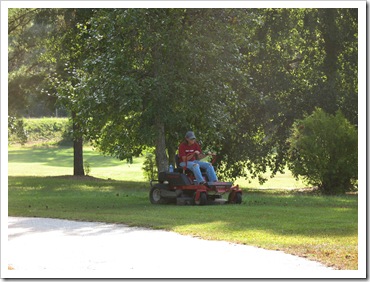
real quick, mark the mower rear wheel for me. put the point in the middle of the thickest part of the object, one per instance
(202, 199)
(155, 196)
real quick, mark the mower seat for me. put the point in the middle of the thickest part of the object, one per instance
(178, 167)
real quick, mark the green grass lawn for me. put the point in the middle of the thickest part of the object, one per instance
(322, 228)
(53, 161)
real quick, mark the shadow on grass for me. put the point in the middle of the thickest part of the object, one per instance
(71, 183)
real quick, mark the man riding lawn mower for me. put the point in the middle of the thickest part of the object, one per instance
(193, 181)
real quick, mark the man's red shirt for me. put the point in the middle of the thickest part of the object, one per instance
(185, 150)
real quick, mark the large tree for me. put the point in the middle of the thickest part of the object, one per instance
(43, 54)
(66, 54)
(154, 74)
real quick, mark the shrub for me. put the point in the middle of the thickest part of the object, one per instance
(323, 150)
(149, 167)
(87, 168)
(16, 130)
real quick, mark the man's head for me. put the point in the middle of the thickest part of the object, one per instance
(190, 137)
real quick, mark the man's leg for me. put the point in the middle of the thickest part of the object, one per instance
(212, 177)
(194, 167)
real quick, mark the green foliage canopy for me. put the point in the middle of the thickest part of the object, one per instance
(288, 58)
(138, 78)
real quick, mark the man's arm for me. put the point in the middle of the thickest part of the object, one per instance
(202, 156)
(188, 157)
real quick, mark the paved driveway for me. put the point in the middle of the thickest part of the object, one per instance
(53, 248)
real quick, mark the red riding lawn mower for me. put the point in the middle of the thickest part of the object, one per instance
(180, 187)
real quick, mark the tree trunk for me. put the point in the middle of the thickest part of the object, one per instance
(332, 45)
(78, 167)
(160, 148)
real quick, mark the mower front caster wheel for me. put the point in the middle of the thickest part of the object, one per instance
(202, 199)
(237, 199)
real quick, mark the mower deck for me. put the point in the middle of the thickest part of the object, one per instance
(179, 188)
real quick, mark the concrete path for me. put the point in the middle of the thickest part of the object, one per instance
(53, 248)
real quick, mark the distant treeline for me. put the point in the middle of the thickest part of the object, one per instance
(39, 130)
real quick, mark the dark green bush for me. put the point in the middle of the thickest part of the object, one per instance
(323, 150)
(45, 129)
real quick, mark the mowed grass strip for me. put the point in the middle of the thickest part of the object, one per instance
(320, 228)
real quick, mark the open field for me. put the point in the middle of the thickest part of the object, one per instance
(321, 228)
